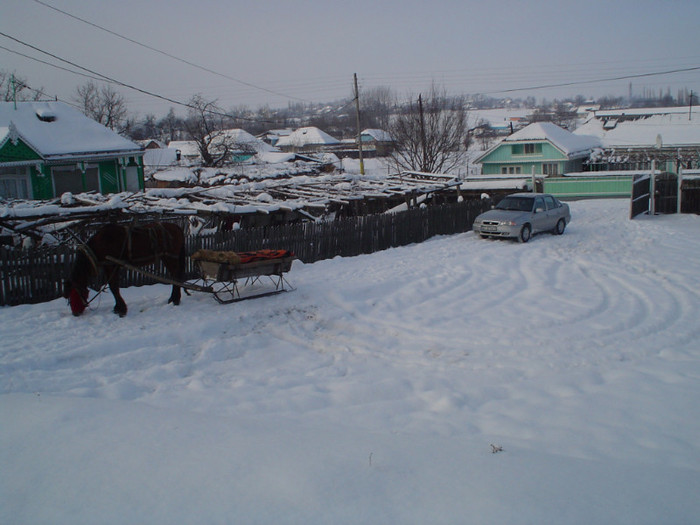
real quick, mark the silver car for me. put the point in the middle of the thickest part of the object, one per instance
(521, 215)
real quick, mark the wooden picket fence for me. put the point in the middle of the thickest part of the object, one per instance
(36, 275)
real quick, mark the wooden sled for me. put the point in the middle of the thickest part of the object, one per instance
(234, 277)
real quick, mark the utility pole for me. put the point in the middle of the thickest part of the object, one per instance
(14, 90)
(690, 105)
(359, 131)
(422, 133)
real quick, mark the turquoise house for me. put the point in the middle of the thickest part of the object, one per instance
(544, 146)
(49, 148)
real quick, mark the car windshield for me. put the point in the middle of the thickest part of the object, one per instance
(515, 204)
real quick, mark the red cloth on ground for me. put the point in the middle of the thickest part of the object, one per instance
(78, 301)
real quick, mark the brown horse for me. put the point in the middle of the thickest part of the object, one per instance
(136, 245)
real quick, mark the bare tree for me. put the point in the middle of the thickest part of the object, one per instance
(103, 104)
(431, 133)
(13, 87)
(206, 125)
(170, 125)
(377, 105)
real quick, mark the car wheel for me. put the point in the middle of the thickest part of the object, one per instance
(525, 233)
(561, 226)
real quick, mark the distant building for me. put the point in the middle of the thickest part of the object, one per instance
(308, 139)
(49, 148)
(272, 136)
(544, 146)
(151, 144)
(241, 144)
(631, 138)
(378, 139)
(187, 152)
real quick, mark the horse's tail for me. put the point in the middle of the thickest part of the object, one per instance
(181, 261)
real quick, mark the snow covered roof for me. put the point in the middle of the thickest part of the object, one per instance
(55, 129)
(242, 137)
(188, 148)
(640, 112)
(569, 143)
(665, 130)
(378, 134)
(499, 116)
(274, 157)
(306, 136)
(160, 157)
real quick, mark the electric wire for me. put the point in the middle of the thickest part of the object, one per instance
(169, 55)
(106, 78)
(331, 82)
(319, 87)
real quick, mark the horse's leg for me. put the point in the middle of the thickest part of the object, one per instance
(176, 269)
(119, 304)
(175, 295)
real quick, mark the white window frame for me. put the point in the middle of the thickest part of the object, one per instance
(19, 178)
(511, 170)
(550, 168)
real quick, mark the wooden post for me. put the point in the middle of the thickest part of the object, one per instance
(422, 133)
(359, 131)
(534, 184)
(652, 189)
(680, 192)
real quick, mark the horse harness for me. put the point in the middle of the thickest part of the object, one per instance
(155, 235)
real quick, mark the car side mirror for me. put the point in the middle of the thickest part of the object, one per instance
(539, 210)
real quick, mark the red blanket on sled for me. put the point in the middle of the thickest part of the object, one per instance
(263, 255)
(239, 257)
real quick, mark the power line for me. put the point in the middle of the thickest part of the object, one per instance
(581, 82)
(165, 53)
(50, 64)
(271, 91)
(123, 84)
(100, 77)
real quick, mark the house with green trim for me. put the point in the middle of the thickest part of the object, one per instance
(49, 148)
(544, 146)
(632, 138)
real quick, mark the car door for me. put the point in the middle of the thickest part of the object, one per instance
(539, 215)
(553, 211)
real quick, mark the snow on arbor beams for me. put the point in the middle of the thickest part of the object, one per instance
(247, 203)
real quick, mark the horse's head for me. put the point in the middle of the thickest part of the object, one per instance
(75, 288)
(77, 296)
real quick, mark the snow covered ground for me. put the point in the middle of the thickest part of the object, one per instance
(375, 391)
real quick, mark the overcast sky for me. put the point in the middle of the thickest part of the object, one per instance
(275, 52)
